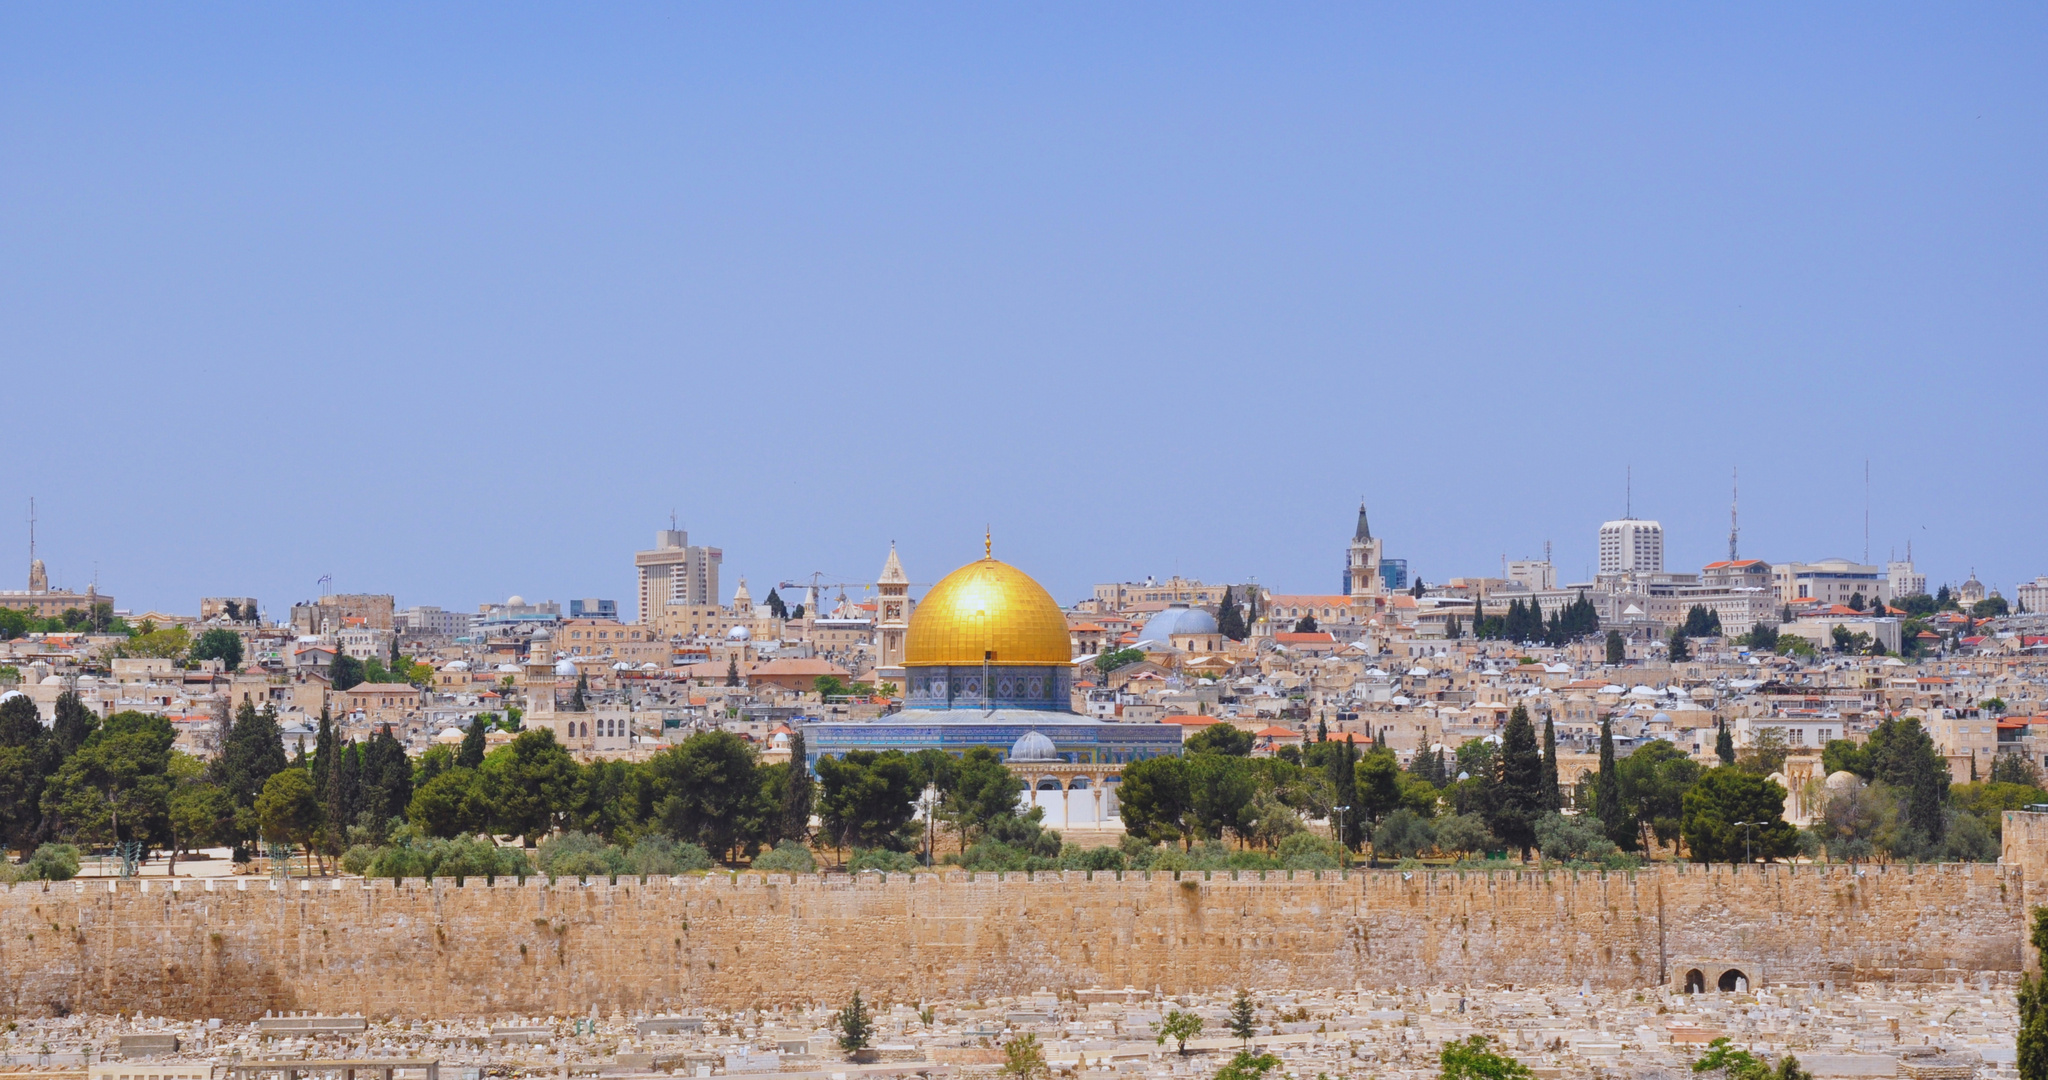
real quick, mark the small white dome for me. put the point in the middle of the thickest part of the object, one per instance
(52, 680)
(1843, 780)
(622, 666)
(565, 668)
(516, 601)
(1033, 746)
(11, 695)
(457, 665)
(739, 633)
(509, 669)
(650, 666)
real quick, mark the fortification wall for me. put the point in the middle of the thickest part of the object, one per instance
(235, 949)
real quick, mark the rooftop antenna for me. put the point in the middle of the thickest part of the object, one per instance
(1546, 551)
(1628, 494)
(1734, 501)
(1866, 510)
(671, 519)
(31, 528)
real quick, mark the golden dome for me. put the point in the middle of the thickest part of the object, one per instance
(987, 612)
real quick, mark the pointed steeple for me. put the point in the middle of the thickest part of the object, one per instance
(1364, 531)
(892, 571)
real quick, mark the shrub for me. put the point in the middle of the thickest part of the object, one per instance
(1572, 839)
(789, 857)
(49, 862)
(893, 862)
(659, 854)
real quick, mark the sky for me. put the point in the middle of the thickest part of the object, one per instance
(459, 301)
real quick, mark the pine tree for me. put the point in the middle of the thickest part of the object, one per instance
(1535, 618)
(74, 723)
(732, 669)
(1617, 652)
(1724, 744)
(1681, 649)
(775, 605)
(1243, 1018)
(1322, 730)
(1452, 631)
(1550, 762)
(470, 754)
(577, 701)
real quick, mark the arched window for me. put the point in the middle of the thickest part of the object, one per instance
(1695, 982)
(1733, 981)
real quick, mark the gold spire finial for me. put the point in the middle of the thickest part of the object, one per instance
(988, 544)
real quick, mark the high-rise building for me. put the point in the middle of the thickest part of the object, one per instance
(1537, 575)
(675, 574)
(1632, 546)
(1905, 581)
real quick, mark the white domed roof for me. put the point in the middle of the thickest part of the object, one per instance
(449, 735)
(515, 601)
(510, 669)
(565, 667)
(622, 666)
(52, 680)
(1177, 619)
(739, 633)
(1843, 780)
(1033, 746)
(11, 695)
(457, 665)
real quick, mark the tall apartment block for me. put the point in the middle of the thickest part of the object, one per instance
(675, 574)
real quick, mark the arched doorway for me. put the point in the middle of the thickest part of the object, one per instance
(1733, 981)
(1695, 982)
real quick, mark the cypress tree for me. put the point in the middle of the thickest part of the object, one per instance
(1550, 762)
(1517, 799)
(470, 754)
(1230, 620)
(73, 725)
(732, 670)
(1724, 743)
(1617, 652)
(775, 605)
(1322, 730)
(1607, 788)
(1535, 619)
(798, 792)
(1342, 770)
(576, 699)
(323, 754)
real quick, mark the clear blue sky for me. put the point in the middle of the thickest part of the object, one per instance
(460, 301)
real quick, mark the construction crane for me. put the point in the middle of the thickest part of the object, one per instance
(818, 584)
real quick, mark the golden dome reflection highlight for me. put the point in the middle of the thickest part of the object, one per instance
(987, 612)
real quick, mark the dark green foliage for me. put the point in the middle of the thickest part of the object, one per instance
(220, 644)
(1763, 637)
(1681, 649)
(706, 793)
(865, 798)
(470, 754)
(775, 605)
(1230, 618)
(982, 791)
(116, 787)
(1517, 799)
(579, 698)
(531, 782)
(1607, 804)
(1244, 1020)
(1111, 659)
(854, 1024)
(1699, 622)
(1724, 743)
(1550, 763)
(1220, 738)
(27, 755)
(1475, 1059)
(74, 723)
(1155, 801)
(1617, 650)
(1654, 781)
(799, 792)
(1727, 795)
(1377, 791)
(347, 672)
(1903, 758)
(252, 751)
(2033, 1037)
(1306, 625)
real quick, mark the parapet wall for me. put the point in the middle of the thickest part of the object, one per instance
(235, 949)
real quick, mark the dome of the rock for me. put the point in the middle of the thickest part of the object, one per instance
(987, 612)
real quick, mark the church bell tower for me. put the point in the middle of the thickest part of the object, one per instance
(1362, 570)
(892, 621)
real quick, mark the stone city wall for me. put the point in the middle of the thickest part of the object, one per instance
(237, 948)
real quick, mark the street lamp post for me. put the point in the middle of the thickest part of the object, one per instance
(1748, 829)
(1343, 838)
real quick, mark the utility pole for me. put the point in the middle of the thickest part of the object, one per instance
(1735, 500)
